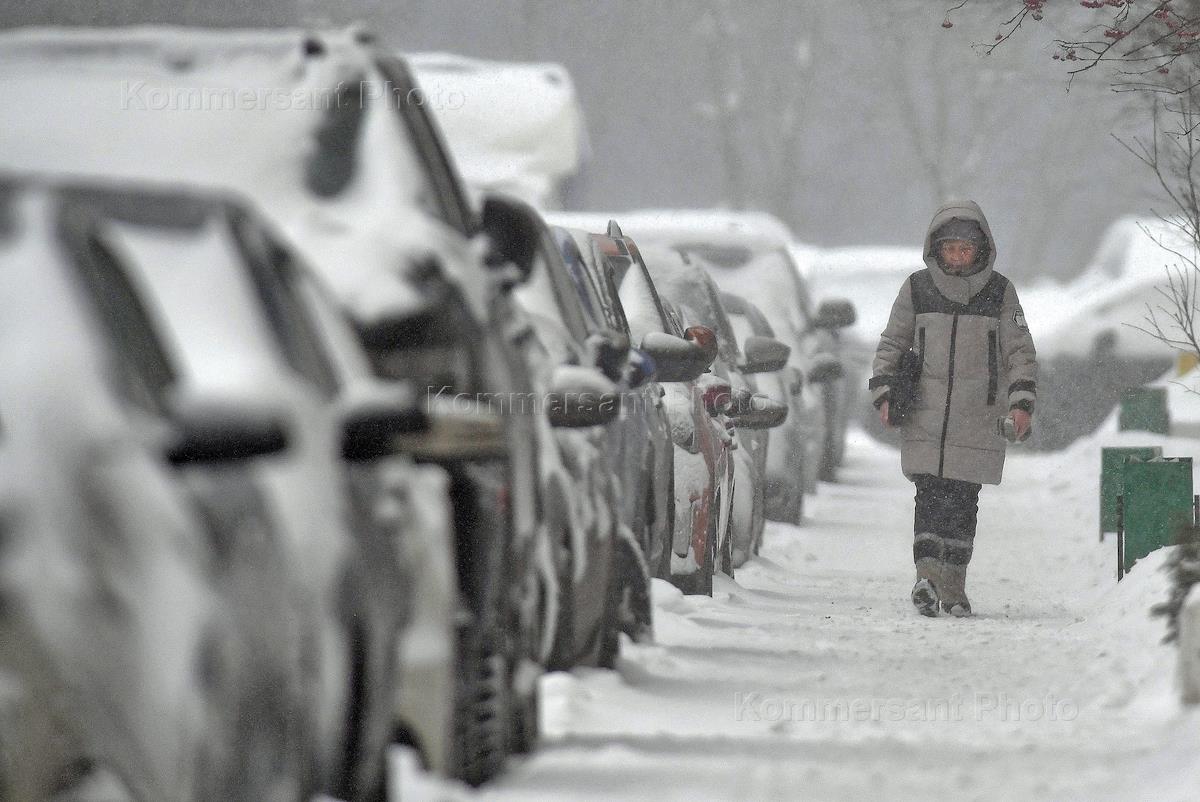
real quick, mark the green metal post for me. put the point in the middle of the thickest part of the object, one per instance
(1112, 461)
(1144, 409)
(1157, 504)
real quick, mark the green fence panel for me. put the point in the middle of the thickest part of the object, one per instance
(1157, 503)
(1111, 466)
(1144, 409)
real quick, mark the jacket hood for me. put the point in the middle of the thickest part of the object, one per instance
(959, 289)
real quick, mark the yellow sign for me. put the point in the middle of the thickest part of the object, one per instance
(1186, 363)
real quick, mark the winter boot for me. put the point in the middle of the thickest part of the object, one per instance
(925, 598)
(954, 590)
(925, 593)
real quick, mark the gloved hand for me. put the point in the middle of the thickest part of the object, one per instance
(1021, 422)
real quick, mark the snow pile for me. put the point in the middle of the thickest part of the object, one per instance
(813, 672)
(517, 128)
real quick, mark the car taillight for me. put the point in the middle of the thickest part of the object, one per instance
(704, 337)
(717, 398)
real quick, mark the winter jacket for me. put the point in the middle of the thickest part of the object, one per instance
(977, 362)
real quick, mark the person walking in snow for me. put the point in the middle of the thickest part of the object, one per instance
(978, 367)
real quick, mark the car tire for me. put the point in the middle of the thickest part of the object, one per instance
(564, 653)
(480, 731)
(628, 606)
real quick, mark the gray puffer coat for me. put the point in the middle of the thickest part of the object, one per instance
(977, 357)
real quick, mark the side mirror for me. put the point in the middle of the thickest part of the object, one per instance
(581, 397)
(515, 230)
(211, 430)
(459, 428)
(676, 359)
(827, 369)
(836, 313)
(764, 354)
(371, 427)
(760, 413)
(609, 351)
(640, 369)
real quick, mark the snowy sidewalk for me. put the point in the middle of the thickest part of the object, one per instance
(811, 677)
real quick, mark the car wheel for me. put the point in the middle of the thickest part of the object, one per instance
(525, 714)
(564, 653)
(480, 731)
(628, 607)
(523, 734)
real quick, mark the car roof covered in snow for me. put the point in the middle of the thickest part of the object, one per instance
(674, 226)
(272, 114)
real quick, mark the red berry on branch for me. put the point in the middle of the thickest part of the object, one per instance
(1163, 70)
(946, 23)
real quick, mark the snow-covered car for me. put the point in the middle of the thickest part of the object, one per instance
(602, 588)
(704, 479)
(1094, 335)
(783, 487)
(640, 445)
(699, 528)
(871, 277)
(299, 558)
(513, 127)
(336, 149)
(751, 253)
(690, 286)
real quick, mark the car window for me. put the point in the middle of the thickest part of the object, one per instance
(581, 278)
(641, 303)
(447, 200)
(279, 283)
(603, 276)
(143, 371)
(195, 285)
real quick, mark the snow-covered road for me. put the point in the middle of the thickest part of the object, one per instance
(812, 678)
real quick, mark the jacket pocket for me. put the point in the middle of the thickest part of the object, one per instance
(993, 368)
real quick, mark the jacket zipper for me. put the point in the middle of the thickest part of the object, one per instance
(949, 390)
(993, 368)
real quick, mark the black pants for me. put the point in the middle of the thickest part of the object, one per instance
(945, 517)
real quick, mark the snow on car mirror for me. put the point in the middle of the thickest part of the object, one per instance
(827, 369)
(581, 397)
(677, 360)
(760, 412)
(836, 313)
(764, 354)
